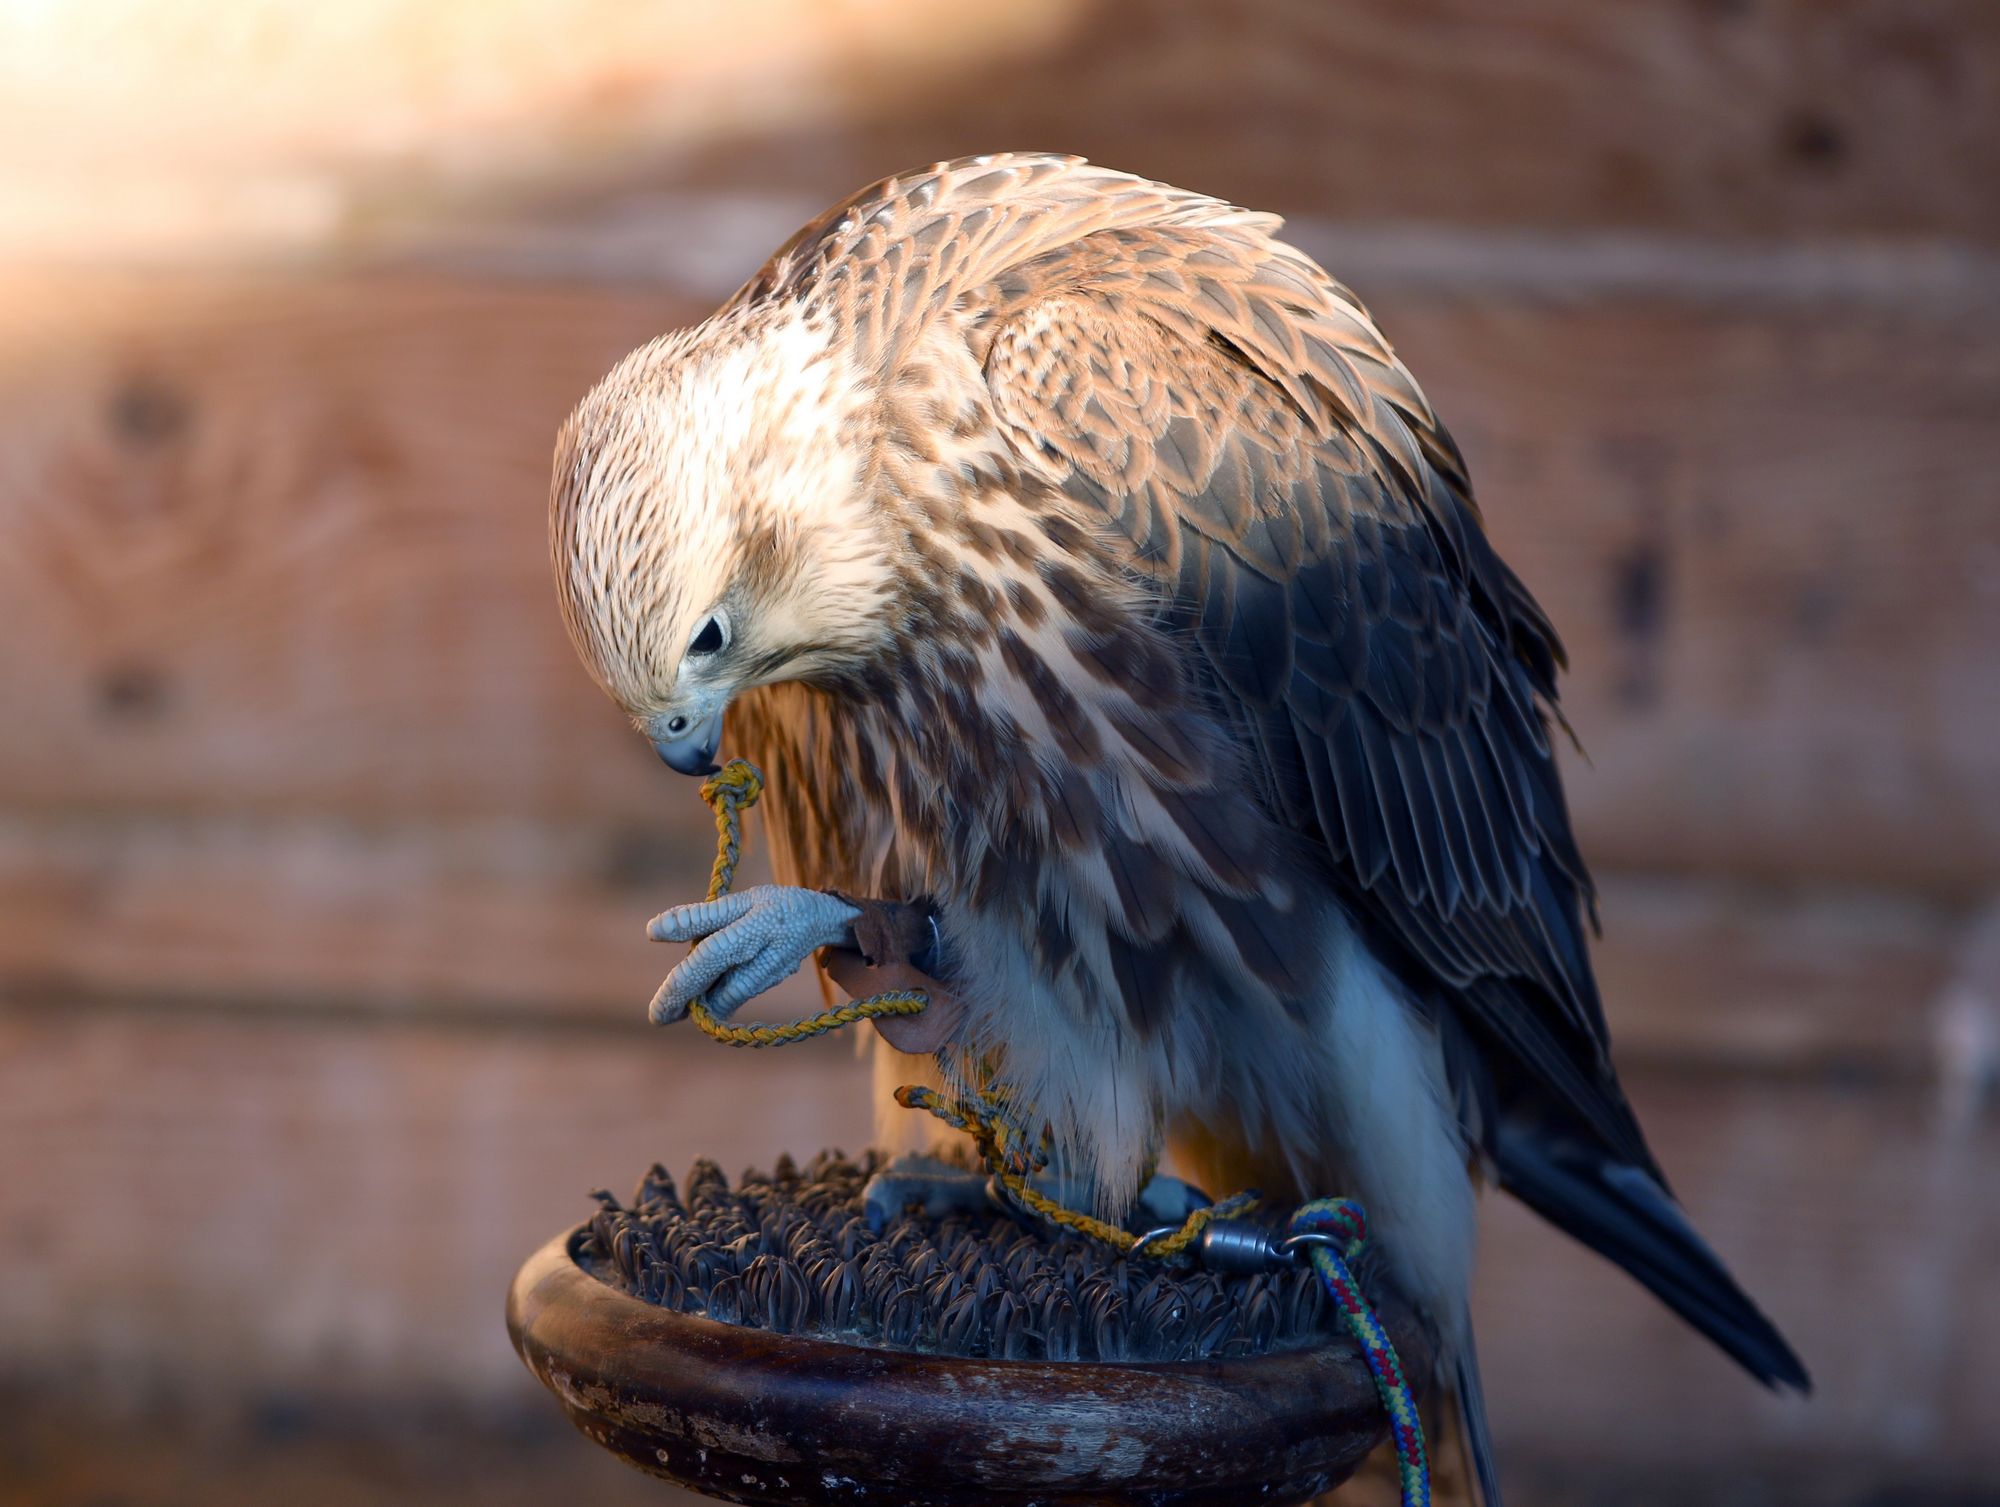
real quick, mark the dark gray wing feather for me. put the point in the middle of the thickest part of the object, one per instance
(1309, 526)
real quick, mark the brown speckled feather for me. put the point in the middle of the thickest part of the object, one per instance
(1237, 419)
(1233, 417)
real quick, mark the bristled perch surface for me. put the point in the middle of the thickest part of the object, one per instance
(763, 1344)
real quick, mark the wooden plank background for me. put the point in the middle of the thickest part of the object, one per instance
(283, 554)
(323, 866)
(1722, 118)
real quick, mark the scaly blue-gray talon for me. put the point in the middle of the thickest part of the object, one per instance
(745, 942)
(940, 1187)
(1168, 1200)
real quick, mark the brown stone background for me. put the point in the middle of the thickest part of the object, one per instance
(322, 866)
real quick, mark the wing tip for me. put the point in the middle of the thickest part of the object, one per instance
(1475, 1436)
(1626, 1215)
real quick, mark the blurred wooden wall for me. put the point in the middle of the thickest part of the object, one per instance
(323, 866)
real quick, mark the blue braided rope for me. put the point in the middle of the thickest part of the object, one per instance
(1343, 1217)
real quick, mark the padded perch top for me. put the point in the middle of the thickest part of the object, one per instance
(762, 1344)
(792, 1253)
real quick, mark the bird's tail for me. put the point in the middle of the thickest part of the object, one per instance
(1467, 1425)
(1625, 1214)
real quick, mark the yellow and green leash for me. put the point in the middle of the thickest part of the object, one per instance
(729, 794)
(1330, 1231)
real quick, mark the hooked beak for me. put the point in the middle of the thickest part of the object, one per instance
(691, 750)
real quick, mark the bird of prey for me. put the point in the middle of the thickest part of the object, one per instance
(1079, 562)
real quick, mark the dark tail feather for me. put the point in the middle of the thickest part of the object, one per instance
(1474, 1436)
(1623, 1214)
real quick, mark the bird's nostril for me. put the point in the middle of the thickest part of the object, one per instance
(677, 725)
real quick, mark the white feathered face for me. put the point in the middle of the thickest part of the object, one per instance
(711, 528)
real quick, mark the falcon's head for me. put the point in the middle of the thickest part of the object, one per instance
(711, 525)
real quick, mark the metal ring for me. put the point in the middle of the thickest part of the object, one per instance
(1158, 1232)
(1292, 1245)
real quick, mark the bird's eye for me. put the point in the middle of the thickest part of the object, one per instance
(709, 640)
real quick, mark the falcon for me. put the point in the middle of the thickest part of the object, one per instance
(1081, 565)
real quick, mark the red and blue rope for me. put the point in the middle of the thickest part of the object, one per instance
(1344, 1219)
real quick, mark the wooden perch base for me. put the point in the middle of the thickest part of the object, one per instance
(750, 1416)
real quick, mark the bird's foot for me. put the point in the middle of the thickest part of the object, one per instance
(942, 1188)
(745, 942)
(938, 1186)
(1164, 1200)
(1168, 1200)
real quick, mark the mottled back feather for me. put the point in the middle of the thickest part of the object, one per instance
(1234, 416)
(1230, 416)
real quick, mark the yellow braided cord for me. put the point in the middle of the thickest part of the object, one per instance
(729, 794)
(1001, 1144)
(1011, 1155)
(1167, 1247)
(871, 1008)
(1171, 1247)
